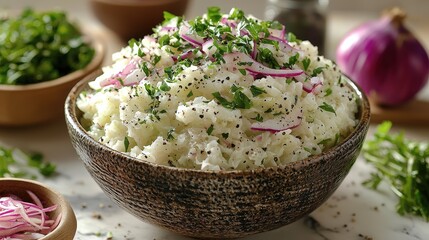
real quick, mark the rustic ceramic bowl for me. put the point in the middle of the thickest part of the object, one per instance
(135, 18)
(66, 229)
(41, 102)
(206, 204)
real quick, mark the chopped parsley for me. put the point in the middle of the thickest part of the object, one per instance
(17, 163)
(306, 63)
(126, 144)
(258, 118)
(256, 91)
(210, 129)
(240, 100)
(328, 108)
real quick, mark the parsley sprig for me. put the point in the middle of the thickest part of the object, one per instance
(17, 163)
(404, 165)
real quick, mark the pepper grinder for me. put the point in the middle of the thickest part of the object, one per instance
(304, 18)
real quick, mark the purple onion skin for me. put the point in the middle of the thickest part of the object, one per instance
(386, 60)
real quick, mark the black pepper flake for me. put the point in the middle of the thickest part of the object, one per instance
(201, 116)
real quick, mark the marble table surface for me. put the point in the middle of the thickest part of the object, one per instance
(352, 212)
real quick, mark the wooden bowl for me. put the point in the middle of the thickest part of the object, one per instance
(66, 229)
(135, 18)
(209, 204)
(41, 102)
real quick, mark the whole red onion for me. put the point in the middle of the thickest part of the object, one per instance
(385, 59)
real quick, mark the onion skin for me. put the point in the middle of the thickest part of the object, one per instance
(385, 59)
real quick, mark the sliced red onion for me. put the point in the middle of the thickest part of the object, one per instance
(184, 55)
(281, 122)
(238, 58)
(228, 22)
(195, 41)
(208, 48)
(285, 46)
(254, 52)
(312, 84)
(168, 29)
(19, 218)
(115, 79)
(149, 38)
(278, 33)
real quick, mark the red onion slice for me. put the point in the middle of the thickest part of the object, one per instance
(281, 122)
(195, 41)
(236, 59)
(115, 79)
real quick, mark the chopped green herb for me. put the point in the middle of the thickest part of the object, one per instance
(164, 40)
(256, 91)
(156, 59)
(210, 130)
(258, 118)
(292, 38)
(404, 165)
(145, 68)
(17, 163)
(240, 100)
(317, 71)
(306, 63)
(168, 16)
(190, 94)
(328, 92)
(170, 135)
(164, 87)
(126, 144)
(213, 14)
(41, 46)
(242, 71)
(328, 108)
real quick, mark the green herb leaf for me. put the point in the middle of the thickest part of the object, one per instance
(210, 129)
(17, 163)
(170, 135)
(326, 107)
(328, 92)
(168, 16)
(258, 118)
(164, 40)
(213, 14)
(126, 144)
(190, 94)
(317, 71)
(164, 87)
(41, 46)
(306, 63)
(404, 165)
(145, 68)
(256, 91)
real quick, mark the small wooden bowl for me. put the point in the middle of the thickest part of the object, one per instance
(66, 229)
(135, 18)
(41, 102)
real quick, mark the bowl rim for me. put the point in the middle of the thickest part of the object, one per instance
(363, 123)
(66, 211)
(99, 54)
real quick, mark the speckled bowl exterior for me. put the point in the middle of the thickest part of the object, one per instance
(226, 204)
